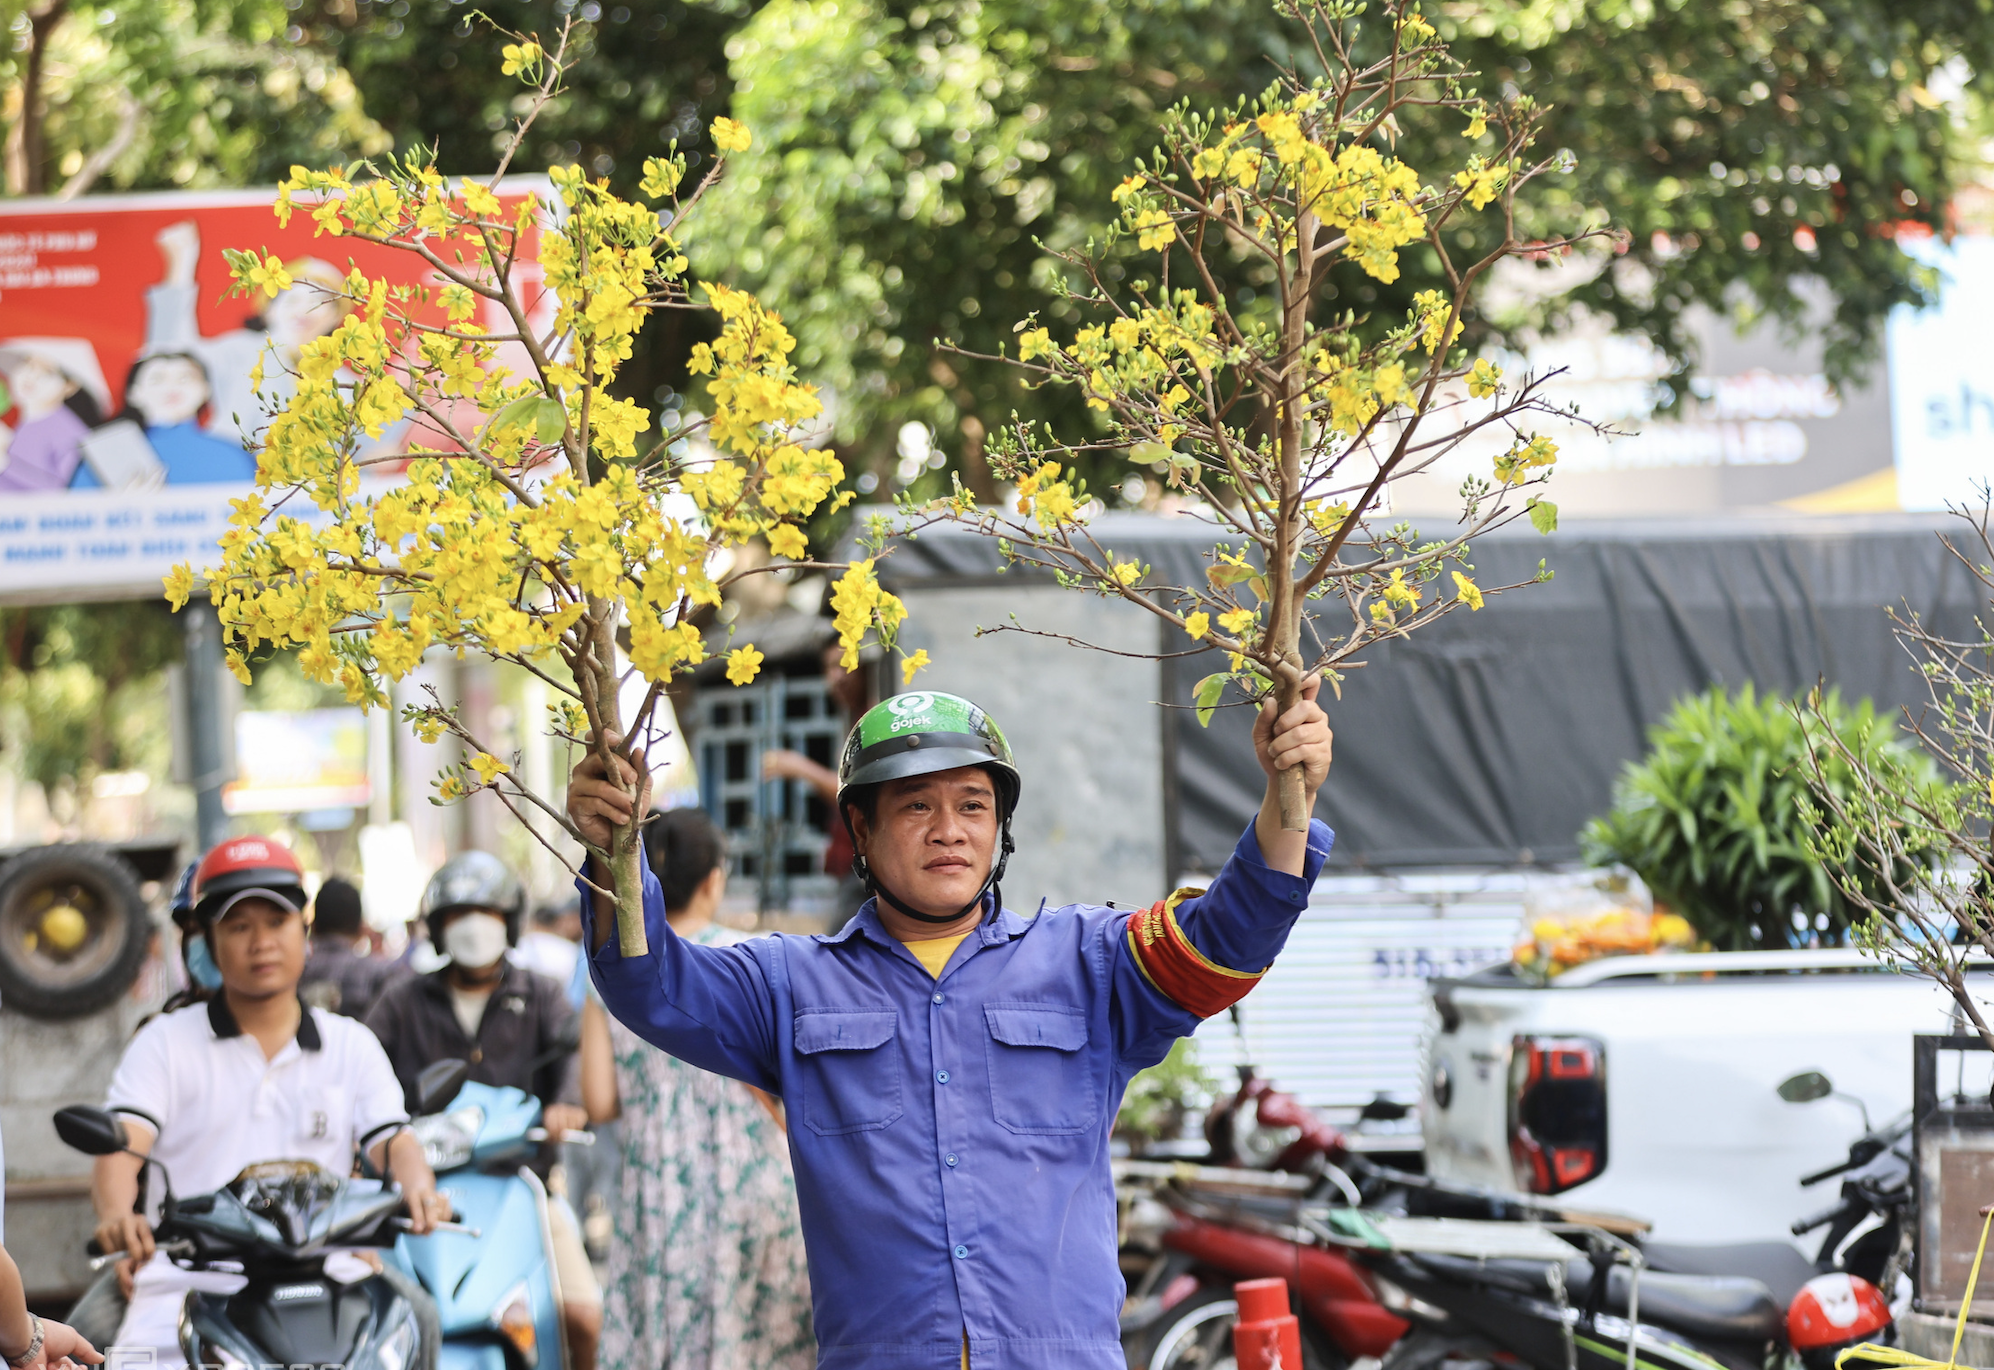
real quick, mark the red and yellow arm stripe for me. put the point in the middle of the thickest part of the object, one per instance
(1179, 971)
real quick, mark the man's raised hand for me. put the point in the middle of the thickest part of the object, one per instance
(1300, 737)
(599, 806)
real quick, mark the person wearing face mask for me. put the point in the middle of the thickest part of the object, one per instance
(513, 1026)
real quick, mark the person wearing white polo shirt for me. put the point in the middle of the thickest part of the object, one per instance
(250, 1075)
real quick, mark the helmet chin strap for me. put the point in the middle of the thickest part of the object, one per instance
(990, 882)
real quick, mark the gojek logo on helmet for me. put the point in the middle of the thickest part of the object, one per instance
(910, 711)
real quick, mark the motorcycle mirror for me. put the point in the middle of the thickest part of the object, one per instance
(91, 1131)
(438, 1084)
(1806, 1087)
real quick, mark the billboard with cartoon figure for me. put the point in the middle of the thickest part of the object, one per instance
(130, 411)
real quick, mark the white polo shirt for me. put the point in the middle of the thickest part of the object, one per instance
(221, 1106)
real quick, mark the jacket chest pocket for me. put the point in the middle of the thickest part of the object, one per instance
(1041, 1078)
(849, 1068)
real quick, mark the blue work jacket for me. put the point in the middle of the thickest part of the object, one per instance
(950, 1136)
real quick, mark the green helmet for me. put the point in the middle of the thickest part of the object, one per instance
(924, 732)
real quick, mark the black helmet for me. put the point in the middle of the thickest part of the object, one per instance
(474, 880)
(918, 734)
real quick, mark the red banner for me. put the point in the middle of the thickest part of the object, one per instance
(129, 416)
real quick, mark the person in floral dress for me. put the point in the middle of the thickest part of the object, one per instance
(706, 1271)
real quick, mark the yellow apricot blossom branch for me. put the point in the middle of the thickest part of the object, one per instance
(541, 518)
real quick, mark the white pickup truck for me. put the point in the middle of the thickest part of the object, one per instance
(1647, 1084)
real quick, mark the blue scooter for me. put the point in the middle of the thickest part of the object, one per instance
(493, 1276)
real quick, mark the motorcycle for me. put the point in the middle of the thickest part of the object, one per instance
(493, 1282)
(276, 1223)
(1740, 1305)
(1192, 1232)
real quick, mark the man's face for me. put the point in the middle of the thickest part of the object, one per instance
(933, 838)
(260, 948)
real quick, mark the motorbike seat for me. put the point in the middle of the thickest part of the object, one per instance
(1776, 1265)
(1716, 1307)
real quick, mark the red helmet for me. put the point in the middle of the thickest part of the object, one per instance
(1832, 1312)
(241, 865)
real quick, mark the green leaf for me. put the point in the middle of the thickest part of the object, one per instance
(550, 419)
(1207, 694)
(544, 414)
(1224, 573)
(1543, 516)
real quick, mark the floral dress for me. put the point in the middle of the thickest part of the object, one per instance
(707, 1271)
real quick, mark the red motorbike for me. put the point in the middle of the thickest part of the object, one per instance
(1195, 1231)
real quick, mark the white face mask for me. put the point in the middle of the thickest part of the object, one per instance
(475, 940)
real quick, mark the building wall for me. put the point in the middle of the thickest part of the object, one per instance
(1084, 726)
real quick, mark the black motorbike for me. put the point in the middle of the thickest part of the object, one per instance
(276, 1223)
(1686, 1306)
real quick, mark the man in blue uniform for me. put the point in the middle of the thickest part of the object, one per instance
(951, 1069)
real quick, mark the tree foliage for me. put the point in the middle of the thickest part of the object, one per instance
(1913, 853)
(1749, 149)
(170, 93)
(542, 515)
(1714, 818)
(80, 690)
(912, 154)
(1284, 424)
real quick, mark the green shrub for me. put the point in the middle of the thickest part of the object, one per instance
(1712, 818)
(1159, 1099)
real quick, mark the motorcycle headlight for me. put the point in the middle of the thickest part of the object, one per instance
(203, 1354)
(449, 1138)
(514, 1316)
(397, 1350)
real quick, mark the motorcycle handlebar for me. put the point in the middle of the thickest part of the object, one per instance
(1827, 1174)
(104, 1258)
(573, 1136)
(1822, 1219)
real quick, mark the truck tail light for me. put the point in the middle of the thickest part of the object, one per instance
(1557, 1112)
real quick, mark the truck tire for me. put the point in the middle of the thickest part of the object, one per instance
(74, 931)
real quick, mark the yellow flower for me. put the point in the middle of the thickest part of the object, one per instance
(1129, 186)
(489, 767)
(1198, 624)
(480, 200)
(729, 136)
(788, 541)
(661, 177)
(450, 787)
(520, 59)
(179, 585)
(1127, 572)
(1483, 378)
(743, 664)
(1471, 594)
(1034, 342)
(1154, 231)
(270, 276)
(1238, 621)
(1478, 122)
(912, 666)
